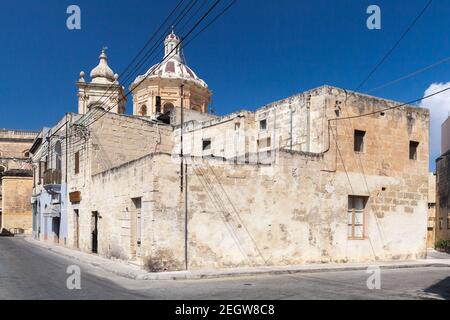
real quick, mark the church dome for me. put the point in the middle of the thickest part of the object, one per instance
(103, 73)
(172, 66)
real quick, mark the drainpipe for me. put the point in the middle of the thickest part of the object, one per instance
(181, 140)
(184, 168)
(186, 218)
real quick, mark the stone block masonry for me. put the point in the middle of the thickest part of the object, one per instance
(295, 182)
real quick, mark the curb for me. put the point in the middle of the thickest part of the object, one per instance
(183, 275)
(199, 275)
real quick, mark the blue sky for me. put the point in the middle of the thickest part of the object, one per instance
(259, 52)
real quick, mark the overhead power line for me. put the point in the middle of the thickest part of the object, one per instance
(205, 15)
(101, 111)
(386, 56)
(107, 94)
(394, 107)
(415, 73)
(371, 73)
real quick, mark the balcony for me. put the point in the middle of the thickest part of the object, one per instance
(52, 177)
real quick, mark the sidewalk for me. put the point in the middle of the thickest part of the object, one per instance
(130, 271)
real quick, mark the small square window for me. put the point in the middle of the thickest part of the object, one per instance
(413, 146)
(263, 125)
(206, 144)
(359, 140)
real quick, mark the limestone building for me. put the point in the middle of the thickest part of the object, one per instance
(15, 180)
(327, 175)
(432, 225)
(442, 231)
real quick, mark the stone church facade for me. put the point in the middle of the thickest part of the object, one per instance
(327, 175)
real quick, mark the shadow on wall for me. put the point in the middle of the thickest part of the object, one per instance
(441, 288)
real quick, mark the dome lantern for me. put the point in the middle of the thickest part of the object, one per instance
(102, 72)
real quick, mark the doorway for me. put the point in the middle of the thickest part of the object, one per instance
(430, 238)
(56, 222)
(95, 232)
(136, 227)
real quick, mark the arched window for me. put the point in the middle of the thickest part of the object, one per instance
(2, 170)
(143, 110)
(197, 108)
(168, 107)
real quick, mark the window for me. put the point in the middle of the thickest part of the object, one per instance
(77, 162)
(356, 218)
(413, 145)
(264, 143)
(206, 144)
(441, 223)
(448, 221)
(58, 155)
(359, 140)
(263, 125)
(42, 166)
(168, 107)
(158, 104)
(143, 110)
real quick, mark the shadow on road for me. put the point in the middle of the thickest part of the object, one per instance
(441, 288)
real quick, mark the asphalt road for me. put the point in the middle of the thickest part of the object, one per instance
(30, 272)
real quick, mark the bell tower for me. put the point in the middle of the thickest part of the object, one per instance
(104, 91)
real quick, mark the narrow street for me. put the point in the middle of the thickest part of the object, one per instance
(30, 272)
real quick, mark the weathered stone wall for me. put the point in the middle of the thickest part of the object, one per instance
(14, 143)
(190, 115)
(118, 139)
(14, 147)
(431, 236)
(111, 195)
(241, 212)
(112, 142)
(16, 203)
(291, 212)
(298, 123)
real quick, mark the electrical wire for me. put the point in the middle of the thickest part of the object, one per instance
(168, 55)
(387, 55)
